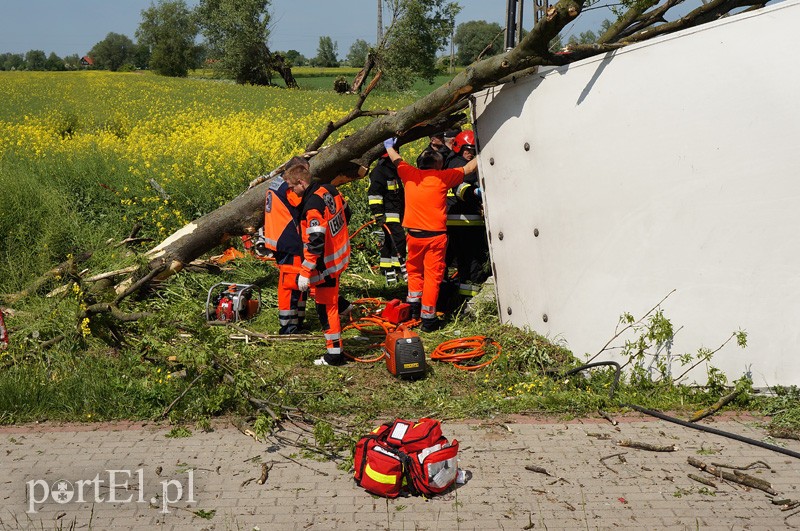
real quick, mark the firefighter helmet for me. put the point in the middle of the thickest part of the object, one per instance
(464, 139)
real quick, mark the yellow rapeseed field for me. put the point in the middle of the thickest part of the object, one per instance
(200, 141)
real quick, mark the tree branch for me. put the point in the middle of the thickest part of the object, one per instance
(632, 15)
(354, 114)
(705, 13)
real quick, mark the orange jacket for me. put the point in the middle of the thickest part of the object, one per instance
(426, 196)
(281, 232)
(323, 226)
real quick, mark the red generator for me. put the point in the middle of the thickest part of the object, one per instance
(228, 302)
(396, 312)
(405, 355)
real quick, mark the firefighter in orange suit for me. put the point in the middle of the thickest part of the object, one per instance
(326, 253)
(426, 222)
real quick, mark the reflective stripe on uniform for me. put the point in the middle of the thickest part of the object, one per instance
(333, 337)
(375, 199)
(319, 228)
(428, 312)
(461, 189)
(392, 217)
(392, 184)
(338, 267)
(309, 265)
(331, 270)
(287, 317)
(337, 254)
(465, 219)
(468, 289)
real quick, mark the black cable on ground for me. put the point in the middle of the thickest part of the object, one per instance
(715, 431)
(675, 420)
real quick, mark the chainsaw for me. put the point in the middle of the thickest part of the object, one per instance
(256, 245)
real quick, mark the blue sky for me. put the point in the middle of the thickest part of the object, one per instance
(74, 26)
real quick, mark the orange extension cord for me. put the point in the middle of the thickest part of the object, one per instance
(362, 227)
(459, 352)
(465, 349)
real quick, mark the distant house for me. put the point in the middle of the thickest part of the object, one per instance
(86, 61)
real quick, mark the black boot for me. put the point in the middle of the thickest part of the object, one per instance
(430, 325)
(416, 309)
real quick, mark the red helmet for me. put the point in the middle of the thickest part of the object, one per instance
(464, 139)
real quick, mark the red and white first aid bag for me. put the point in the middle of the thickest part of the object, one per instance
(406, 455)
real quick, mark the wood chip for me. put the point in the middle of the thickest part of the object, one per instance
(540, 470)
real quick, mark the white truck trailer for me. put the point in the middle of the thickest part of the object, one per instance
(673, 164)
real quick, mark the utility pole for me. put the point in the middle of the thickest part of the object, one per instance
(452, 49)
(511, 15)
(380, 23)
(520, 5)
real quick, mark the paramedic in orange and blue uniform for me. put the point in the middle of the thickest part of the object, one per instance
(282, 237)
(326, 253)
(426, 222)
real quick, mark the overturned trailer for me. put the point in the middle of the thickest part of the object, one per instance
(667, 170)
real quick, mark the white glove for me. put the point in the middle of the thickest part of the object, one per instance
(479, 193)
(389, 142)
(302, 283)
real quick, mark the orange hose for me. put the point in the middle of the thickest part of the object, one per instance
(362, 227)
(366, 325)
(454, 352)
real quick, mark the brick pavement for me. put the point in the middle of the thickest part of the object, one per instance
(639, 489)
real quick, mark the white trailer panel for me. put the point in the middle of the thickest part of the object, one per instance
(669, 165)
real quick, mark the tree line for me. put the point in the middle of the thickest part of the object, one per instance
(38, 60)
(232, 36)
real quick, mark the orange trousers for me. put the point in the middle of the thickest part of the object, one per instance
(291, 301)
(425, 264)
(326, 296)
